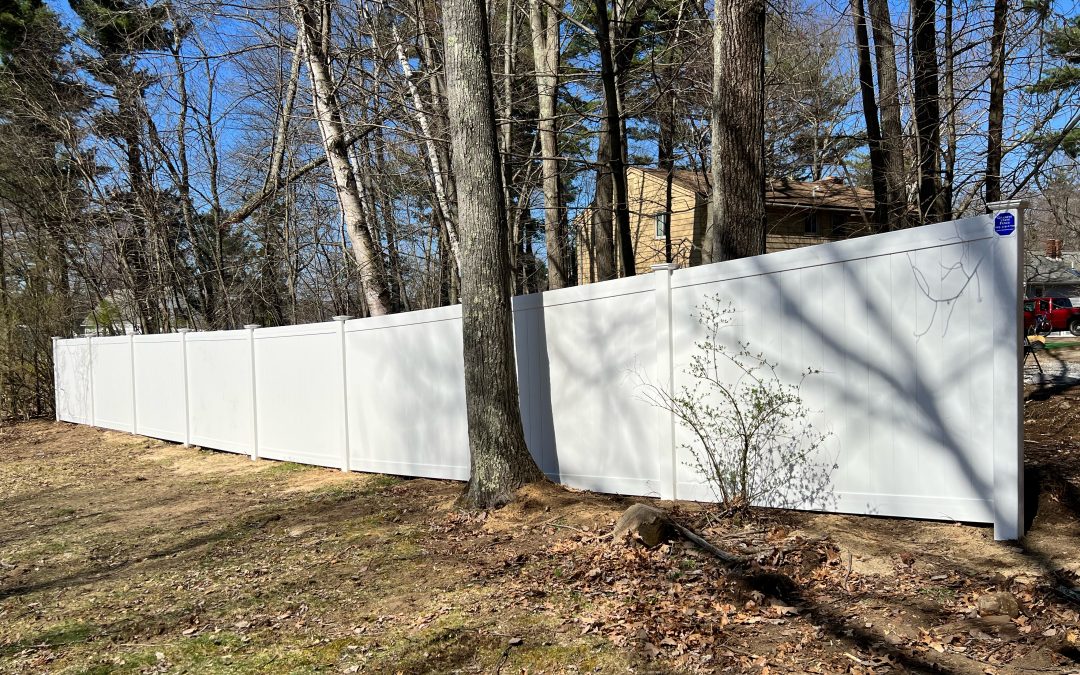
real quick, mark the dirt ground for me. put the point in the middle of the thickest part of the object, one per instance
(128, 555)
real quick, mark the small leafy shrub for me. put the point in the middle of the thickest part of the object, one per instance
(753, 439)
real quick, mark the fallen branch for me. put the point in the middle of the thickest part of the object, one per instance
(650, 525)
(703, 544)
(1069, 593)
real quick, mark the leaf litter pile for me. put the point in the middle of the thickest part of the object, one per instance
(122, 554)
(796, 606)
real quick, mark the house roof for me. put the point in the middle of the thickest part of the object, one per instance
(1047, 271)
(828, 193)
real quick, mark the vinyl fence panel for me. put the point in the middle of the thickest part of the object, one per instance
(407, 413)
(898, 328)
(299, 394)
(113, 392)
(911, 338)
(596, 343)
(161, 403)
(220, 390)
(71, 363)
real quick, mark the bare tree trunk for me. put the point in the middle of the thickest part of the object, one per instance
(439, 178)
(949, 167)
(609, 74)
(281, 130)
(870, 114)
(506, 133)
(500, 461)
(271, 254)
(737, 221)
(544, 22)
(665, 158)
(927, 107)
(390, 222)
(997, 103)
(602, 212)
(667, 118)
(328, 116)
(892, 130)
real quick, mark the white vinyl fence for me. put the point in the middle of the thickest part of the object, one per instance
(916, 335)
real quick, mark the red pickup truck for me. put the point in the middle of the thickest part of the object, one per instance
(1057, 314)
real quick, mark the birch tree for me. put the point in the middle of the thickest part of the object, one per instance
(311, 32)
(544, 21)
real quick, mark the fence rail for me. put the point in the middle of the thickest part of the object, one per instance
(915, 333)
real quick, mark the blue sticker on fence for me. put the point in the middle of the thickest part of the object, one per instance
(1005, 223)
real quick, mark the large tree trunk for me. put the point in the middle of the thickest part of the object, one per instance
(610, 75)
(328, 117)
(927, 107)
(997, 103)
(500, 461)
(603, 236)
(544, 22)
(737, 220)
(870, 113)
(667, 118)
(665, 157)
(949, 159)
(892, 130)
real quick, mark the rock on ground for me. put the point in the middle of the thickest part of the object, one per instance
(648, 523)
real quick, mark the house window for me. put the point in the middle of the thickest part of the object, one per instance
(810, 225)
(842, 229)
(661, 225)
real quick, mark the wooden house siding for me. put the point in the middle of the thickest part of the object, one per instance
(786, 226)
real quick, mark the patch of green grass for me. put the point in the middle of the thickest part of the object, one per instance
(49, 548)
(376, 483)
(339, 492)
(58, 635)
(286, 468)
(938, 593)
(228, 652)
(446, 645)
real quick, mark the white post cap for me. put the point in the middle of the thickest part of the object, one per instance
(1006, 204)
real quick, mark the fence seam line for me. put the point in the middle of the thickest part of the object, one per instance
(134, 395)
(344, 390)
(254, 393)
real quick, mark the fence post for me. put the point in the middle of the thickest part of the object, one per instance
(90, 370)
(341, 319)
(1008, 224)
(254, 393)
(665, 379)
(134, 396)
(55, 381)
(187, 396)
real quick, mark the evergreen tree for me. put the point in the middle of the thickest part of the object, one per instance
(1063, 45)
